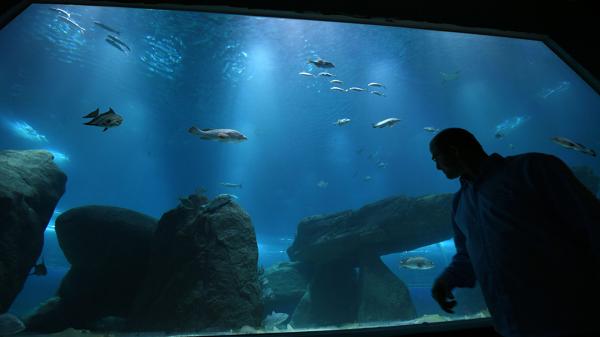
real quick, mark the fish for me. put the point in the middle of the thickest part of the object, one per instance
(338, 89)
(417, 262)
(304, 73)
(322, 184)
(562, 86)
(221, 135)
(10, 324)
(381, 164)
(388, 122)
(40, 269)
(116, 45)
(569, 144)
(71, 22)
(326, 74)
(118, 41)
(375, 84)
(321, 63)
(449, 76)
(106, 120)
(356, 89)
(508, 125)
(336, 82)
(61, 11)
(274, 319)
(511, 146)
(378, 93)
(431, 129)
(112, 30)
(367, 178)
(231, 185)
(342, 121)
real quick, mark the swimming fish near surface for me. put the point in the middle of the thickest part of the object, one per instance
(326, 74)
(231, 185)
(569, 144)
(356, 89)
(342, 121)
(117, 41)
(60, 11)
(220, 135)
(106, 120)
(71, 22)
(378, 93)
(103, 26)
(417, 262)
(338, 89)
(388, 122)
(40, 269)
(336, 82)
(376, 84)
(304, 73)
(321, 63)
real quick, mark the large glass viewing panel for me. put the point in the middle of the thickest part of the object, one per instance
(220, 173)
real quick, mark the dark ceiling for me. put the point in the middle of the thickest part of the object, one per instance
(571, 24)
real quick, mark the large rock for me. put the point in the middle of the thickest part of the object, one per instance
(586, 175)
(204, 273)
(388, 226)
(30, 187)
(283, 286)
(108, 249)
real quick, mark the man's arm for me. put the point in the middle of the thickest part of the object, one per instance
(459, 272)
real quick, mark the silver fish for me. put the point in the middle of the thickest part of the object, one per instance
(321, 63)
(274, 319)
(378, 93)
(326, 74)
(356, 89)
(304, 73)
(72, 23)
(338, 89)
(221, 135)
(417, 262)
(109, 119)
(231, 185)
(61, 11)
(112, 30)
(431, 129)
(375, 84)
(342, 121)
(336, 82)
(569, 144)
(388, 122)
(118, 41)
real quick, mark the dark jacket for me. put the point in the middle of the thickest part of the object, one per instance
(529, 232)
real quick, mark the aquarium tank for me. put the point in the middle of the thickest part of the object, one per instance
(183, 171)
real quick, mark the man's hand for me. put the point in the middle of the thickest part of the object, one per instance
(442, 293)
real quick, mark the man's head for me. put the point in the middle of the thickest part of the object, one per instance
(456, 152)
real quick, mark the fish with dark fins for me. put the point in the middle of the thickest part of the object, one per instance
(321, 63)
(106, 120)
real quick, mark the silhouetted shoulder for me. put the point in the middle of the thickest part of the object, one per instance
(535, 158)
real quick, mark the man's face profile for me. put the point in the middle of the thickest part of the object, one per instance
(446, 160)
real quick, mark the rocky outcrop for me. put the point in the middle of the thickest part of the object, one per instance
(388, 226)
(283, 285)
(108, 249)
(30, 187)
(204, 273)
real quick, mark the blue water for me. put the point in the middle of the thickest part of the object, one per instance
(241, 72)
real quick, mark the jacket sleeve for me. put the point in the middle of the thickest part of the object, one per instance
(459, 272)
(569, 200)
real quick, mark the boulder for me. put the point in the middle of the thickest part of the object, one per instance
(30, 187)
(108, 249)
(388, 226)
(283, 286)
(204, 274)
